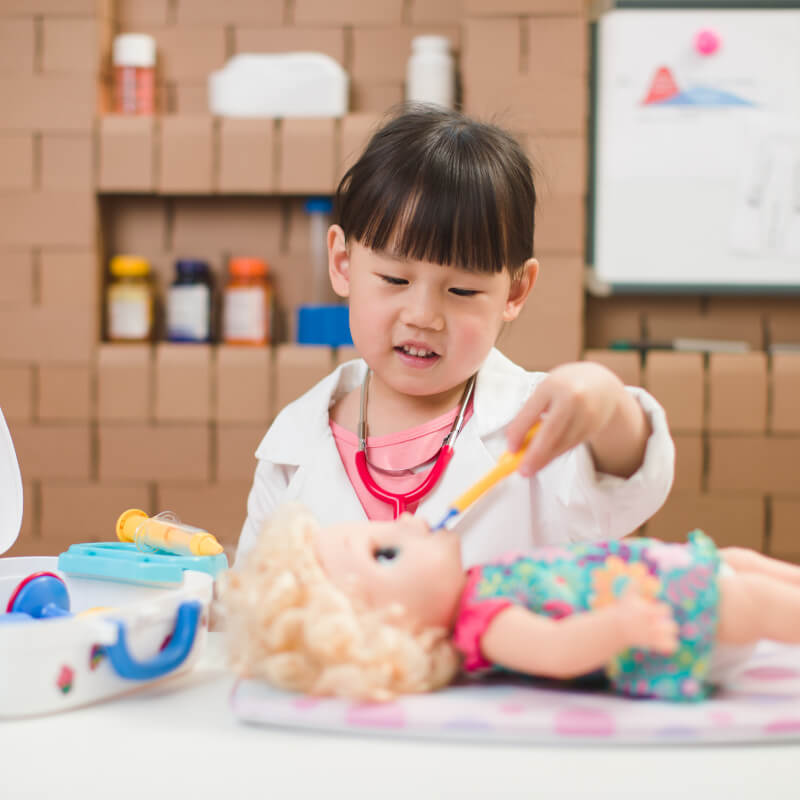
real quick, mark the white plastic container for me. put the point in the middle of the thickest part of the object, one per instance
(430, 73)
(279, 85)
(50, 665)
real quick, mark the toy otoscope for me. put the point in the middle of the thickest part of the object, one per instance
(506, 464)
(165, 533)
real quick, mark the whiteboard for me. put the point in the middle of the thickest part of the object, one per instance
(697, 154)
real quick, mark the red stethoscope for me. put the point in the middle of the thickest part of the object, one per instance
(400, 501)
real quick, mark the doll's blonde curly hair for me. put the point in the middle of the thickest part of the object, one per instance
(289, 625)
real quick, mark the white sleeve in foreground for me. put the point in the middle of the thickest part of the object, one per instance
(612, 506)
(269, 485)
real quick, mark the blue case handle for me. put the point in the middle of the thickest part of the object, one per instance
(171, 657)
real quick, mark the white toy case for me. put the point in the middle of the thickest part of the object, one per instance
(134, 635)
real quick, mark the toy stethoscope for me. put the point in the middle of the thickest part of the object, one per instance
(400, 501)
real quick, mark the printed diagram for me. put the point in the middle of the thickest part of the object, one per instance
(664, 91)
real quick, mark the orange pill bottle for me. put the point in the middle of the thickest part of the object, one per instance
(247, 303)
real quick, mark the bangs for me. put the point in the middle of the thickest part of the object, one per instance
(437, 187)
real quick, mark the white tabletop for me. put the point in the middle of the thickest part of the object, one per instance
(179, 739)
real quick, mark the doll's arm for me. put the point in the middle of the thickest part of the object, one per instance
(531, 643)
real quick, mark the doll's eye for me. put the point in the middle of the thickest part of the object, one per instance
(383, 554)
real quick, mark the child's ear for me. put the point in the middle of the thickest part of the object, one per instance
(521, 286)
(338, 261)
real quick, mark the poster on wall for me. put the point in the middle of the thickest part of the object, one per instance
(697, 151)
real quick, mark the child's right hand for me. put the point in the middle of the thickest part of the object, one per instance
(647, 624)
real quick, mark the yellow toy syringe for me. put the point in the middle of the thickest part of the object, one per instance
(506, 464)
(165, 533)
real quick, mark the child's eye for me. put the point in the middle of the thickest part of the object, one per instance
(384, 554)
(464, 292)
(394, 281)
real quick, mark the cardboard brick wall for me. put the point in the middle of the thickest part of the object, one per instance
(100, 428)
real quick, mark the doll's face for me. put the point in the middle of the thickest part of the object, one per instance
(399, 562)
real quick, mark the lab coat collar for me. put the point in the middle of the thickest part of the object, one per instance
(500, 390)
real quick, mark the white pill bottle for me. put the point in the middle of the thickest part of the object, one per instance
(431, 72)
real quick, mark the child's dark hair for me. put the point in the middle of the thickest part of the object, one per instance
(435, 185)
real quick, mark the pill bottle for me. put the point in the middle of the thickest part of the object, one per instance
(134, 61)
(319, 211)
(430, 72)
(247, 303)
(189, 302)
(129, 300)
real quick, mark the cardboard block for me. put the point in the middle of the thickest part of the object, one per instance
(135, 224)
(124, 382)
(737, 392)
(560, 164)
(73, 46)
(138, 452)
(344, 354)
(183, 382)
(16, 278)
(425, 12)
(308, 156)
(348, 12)
(53, 450)
(297, 369)
(783, 321)
(356, 131)
(495, 8)
(246, 156)
(16, 161)
(560, 224)
(86, 512)
(187, 97)
(375, 97)
(65, 392)
(243, 378)
(50, 218)
(611, 318)
(16, 392)
(328, 40)
(232, 225)
(557, 45)
(187, 154)
(127, 153)
(67, 161)
(210, 12)
(549, 331)
(236, 451)
(492, 50)
(137, 15)
(675, 324)
(677, 381)
(785, 416)
(189, 52)
(731, 519)
(784, 539)
(61, 8)
(626, 366)
(748, 463)
(380, 54)
(219, 508)
(17, 46)
(47, 102)
(46, 335)
(689, 461)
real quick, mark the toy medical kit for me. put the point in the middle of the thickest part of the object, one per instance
(506, 464)
(68, 640)
(164, 532)
(402, 500)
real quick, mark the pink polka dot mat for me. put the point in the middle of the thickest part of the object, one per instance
(760, 702)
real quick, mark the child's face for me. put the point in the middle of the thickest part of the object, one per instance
(423, 328)
(399, 562)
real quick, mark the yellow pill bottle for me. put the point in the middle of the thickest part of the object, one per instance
(129, 300)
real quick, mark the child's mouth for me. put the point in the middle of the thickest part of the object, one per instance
(416, 356)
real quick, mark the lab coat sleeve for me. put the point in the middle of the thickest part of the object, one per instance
(266, 494)
(593, 506)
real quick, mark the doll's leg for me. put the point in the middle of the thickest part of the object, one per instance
(744, 560)
(755, 605)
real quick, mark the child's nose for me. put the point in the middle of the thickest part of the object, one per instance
(423, 311)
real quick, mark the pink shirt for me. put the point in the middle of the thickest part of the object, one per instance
(398, 462)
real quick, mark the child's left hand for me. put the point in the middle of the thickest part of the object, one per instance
(582, 402)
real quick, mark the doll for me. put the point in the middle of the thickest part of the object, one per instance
(370, 610)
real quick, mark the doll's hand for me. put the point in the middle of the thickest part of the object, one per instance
(647, 624)
(575, 401)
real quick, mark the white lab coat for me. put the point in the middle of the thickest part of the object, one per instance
(566, 501)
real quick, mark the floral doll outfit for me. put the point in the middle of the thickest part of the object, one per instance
(559, 581)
